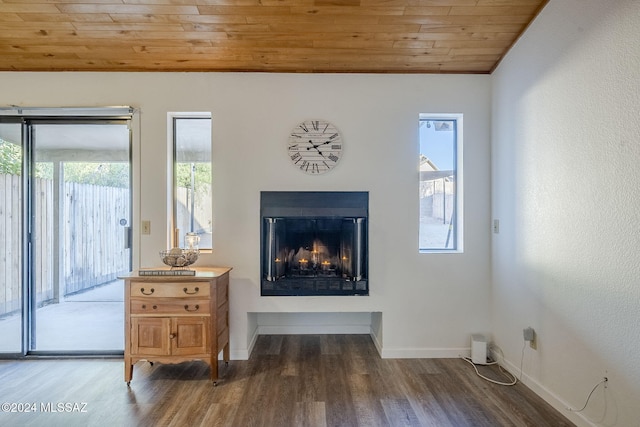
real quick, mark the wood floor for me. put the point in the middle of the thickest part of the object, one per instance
(292, 380)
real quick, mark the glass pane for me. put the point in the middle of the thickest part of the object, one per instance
(193, 208)
(10, 238)
(80, 215)
(438, 184)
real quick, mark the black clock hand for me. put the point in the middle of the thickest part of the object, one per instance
(314, 146)
(322, 143)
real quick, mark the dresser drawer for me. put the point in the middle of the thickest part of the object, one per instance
(169, 289)
(182, 306)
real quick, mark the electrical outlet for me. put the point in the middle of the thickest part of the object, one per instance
(146, 226)
(529, 334)
(534, 342)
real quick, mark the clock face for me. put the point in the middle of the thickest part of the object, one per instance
(315, 146)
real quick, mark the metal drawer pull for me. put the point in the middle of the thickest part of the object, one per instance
(172, 336)
(144, 307)
(195, 291)
(186, 307)
(145, 293)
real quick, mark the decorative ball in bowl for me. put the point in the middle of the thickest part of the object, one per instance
(179, 258)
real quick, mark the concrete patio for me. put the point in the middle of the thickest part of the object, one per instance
(88, 321)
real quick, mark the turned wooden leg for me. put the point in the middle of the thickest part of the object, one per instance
(214, 368)
(128, 370)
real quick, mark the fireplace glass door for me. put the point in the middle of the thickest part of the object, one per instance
(314, 256)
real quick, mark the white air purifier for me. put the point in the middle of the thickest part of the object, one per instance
(478, 349)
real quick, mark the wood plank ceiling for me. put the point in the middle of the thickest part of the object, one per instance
(354, 36)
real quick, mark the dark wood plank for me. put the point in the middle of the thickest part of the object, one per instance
(292, 380)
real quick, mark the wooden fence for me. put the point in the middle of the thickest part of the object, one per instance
(10, 243)
(437, 199)
(91, 239)
(94, 240)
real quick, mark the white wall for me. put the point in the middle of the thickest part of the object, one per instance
(429, 304)
(566, 188)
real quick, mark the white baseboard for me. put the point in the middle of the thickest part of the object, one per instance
(376, 341)
(425, 353)
(548, 396)
(252, 343)
(239, 354)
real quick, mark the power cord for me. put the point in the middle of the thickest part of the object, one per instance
(513, 381)
(604, 381)
(524, 346)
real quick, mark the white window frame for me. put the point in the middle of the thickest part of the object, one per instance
(172, 236)
(459, 183)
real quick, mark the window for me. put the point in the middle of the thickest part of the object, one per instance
(440, 176)
(192, 202)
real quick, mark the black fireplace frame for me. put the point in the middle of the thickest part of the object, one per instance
(349, 206)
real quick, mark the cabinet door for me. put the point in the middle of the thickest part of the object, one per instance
(150, 336)
(191, 335)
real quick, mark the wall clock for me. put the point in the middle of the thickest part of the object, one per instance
(315, 146)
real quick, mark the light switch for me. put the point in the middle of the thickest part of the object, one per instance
(146, 226)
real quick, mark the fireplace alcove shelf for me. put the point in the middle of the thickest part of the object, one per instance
(314, 243)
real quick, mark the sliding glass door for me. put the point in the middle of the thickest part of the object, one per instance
(74, 203)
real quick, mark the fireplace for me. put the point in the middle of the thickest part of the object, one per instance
(314, 243)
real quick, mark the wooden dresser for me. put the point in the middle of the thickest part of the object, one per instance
(173, 319)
